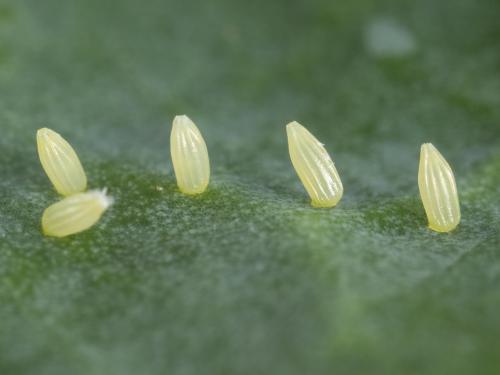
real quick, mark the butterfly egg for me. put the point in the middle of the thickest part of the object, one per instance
(189, 156)
(314, 166)
(60, 162)
(75, 213)
(438, 190)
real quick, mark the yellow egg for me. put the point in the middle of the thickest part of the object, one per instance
(314, 167)
(438, 190)
(189, 156)
(75, 213)
(60, 162)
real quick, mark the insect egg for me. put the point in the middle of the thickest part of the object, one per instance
(75, 213)
(438, 190)
(60, 162)
(189, 156)
(314, 167)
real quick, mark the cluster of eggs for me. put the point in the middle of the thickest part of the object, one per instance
(81, 209)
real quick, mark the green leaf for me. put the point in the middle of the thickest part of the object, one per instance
(248, 278)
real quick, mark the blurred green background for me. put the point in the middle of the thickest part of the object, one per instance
(248, 278)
